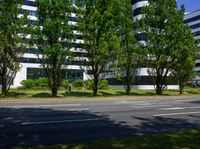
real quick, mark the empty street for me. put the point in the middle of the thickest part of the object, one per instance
(33, 123)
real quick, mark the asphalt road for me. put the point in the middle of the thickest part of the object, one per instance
(68, 122)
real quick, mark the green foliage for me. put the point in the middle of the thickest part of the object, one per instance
(130, 54)
(54, 38)
(97, 23)
(169, 43)
(103, 84)
(89, 84)
(27, 84)
(78, 83)
(65, 84)
(12, 31)
(42, 82)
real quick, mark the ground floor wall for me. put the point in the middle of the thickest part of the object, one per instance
(34, 71)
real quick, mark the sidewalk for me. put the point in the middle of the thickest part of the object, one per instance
(91, 99)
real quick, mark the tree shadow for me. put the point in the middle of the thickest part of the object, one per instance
(42, 95)
(40, 126)
(16, 94)
(193, 92)
(77, 94)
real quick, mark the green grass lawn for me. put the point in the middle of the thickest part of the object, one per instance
(189, 139)
(45, 93)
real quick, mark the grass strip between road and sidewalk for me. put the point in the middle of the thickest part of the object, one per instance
(84, 93)
(188, 139)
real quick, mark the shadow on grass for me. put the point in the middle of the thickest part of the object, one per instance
(77, 94)
(134, 93)
(42, 95)
(103, 93)
(193, 92)
(16, 94)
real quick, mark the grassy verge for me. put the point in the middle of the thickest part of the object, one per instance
(45, 93)
(189, 139)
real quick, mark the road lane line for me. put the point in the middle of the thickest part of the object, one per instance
(187, 100)
(62, 121)
(171, 114)
(175, 108)
(178, 108)
(83, 109)
(35, 106)
(153, 106)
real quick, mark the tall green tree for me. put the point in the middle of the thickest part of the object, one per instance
(53, 35)
(130, 53)
(96, 23)
(12, 32)
(186, 51)
(161, 24)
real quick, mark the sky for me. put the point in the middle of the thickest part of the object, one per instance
(190, 5)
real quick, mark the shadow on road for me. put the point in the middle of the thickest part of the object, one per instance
(37, 126)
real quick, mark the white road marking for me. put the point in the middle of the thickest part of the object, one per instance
(166, 109)
(83, 109)
(35, 106)
(188, 100)
(61, 121)
(178, 108)
(134, 102)
(171, 114)
(153, 106)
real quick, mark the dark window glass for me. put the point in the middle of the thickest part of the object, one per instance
(192, 19)
(69, 74)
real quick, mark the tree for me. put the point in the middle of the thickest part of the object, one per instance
(161, 24)
(129, 55)
(12, 32)
(96, 22)
(186, 51)
(54, 38)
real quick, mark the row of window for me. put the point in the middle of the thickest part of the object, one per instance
(195, 26)
(32, 3)
(192, 19)
(40, 60)
(66, 74)
(197, 64)
(139, 80)
(136, 1)
(33, 13)
(137, 11)
(196, 33)
(39, 51)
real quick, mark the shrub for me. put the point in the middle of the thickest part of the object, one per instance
(28, 83)
(88, 84)
(65, 84)
(78, 83)
(42, 82)
(103, 85)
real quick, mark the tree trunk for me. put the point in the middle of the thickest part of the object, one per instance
(95, 87)
(54, 92)
(159, 89)
(181, 87)
(128, 89)
(4, 82)
(54, 86)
